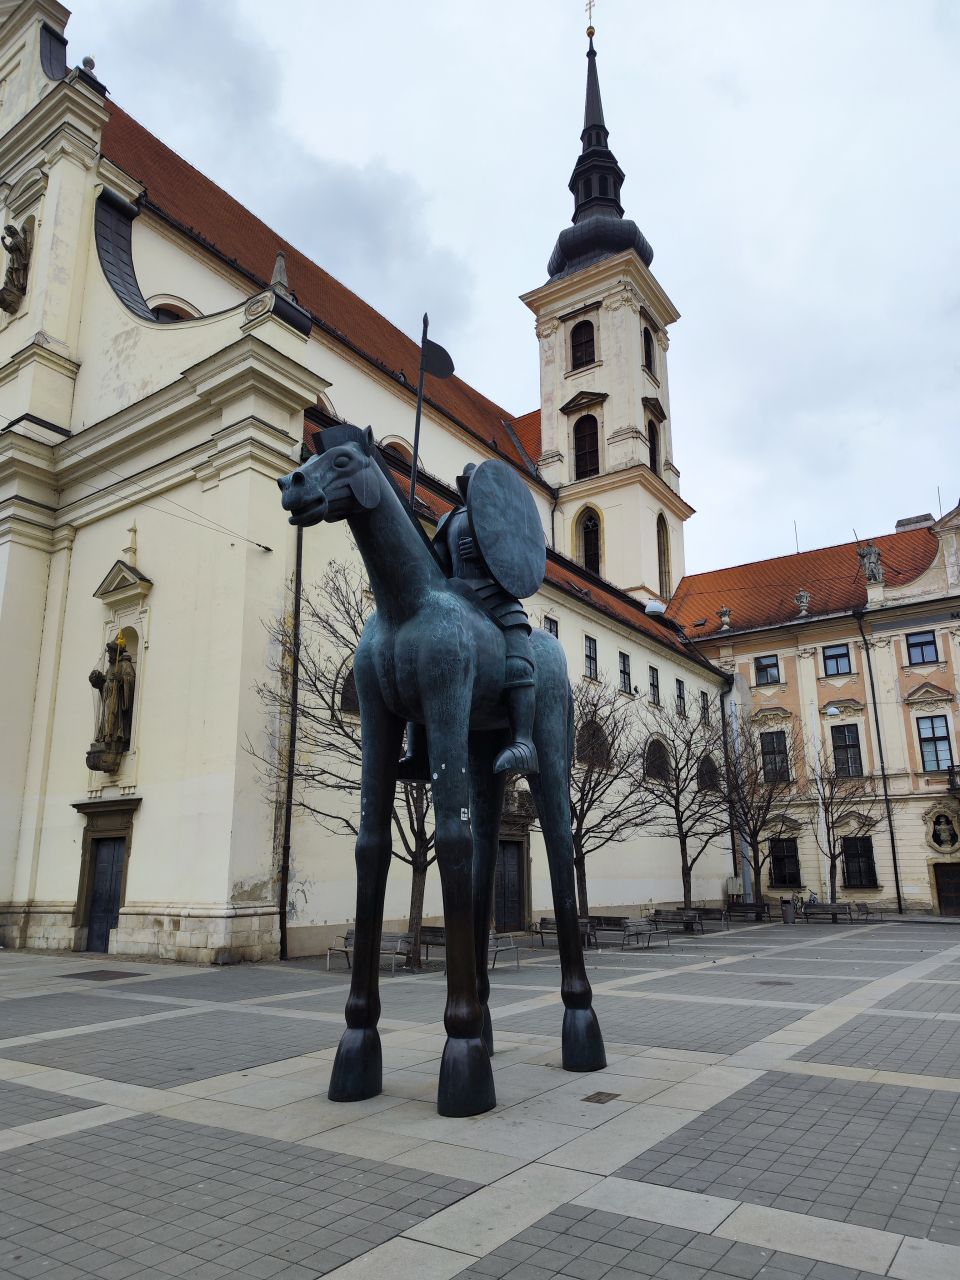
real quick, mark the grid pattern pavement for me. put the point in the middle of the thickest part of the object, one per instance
(925, 997)
(32, 1015)
(667, 1024)
(20, 1105)
(922, 1046)
(176, 1051)
(235, 982)
(736, 985)
(590, 1244)
(152, 1197)
(874, 1155)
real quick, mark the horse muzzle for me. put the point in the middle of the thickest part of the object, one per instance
(306, 505)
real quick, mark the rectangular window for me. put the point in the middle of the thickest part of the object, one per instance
(655, 686)
(846, 751)
(704, 707)
(773, 751)
(859, 869)
(553, 626)
(626, 685)
(590, 669)
(934, 743)
(681, 699)
(836, 660)
(767, 669)
(921, 647)
(785, 863)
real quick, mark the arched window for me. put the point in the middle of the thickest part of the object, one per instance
(586, 448)
(663, 557)
(349, 700)
(653, 436)
(592, 747)
(588, 540)
(647, 349)
(582, 347)
(708, 775)
(396, 449)
(656, 761)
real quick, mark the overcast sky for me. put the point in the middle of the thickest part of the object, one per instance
(793, 165)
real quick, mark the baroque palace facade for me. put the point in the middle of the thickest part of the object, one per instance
(158, 365)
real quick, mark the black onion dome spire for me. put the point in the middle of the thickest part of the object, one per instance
(599, 227)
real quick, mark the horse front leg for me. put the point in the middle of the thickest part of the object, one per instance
(358, 1067)
(466, 1078)
(582, 1041)
(487, 790)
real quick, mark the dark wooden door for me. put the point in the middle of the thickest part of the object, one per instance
(105, 894)
(509, 891)
(948, 888)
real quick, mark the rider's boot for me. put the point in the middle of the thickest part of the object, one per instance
(415, 765)
(521, 699)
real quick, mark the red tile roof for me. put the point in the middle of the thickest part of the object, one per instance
(528, 431)
(762, 594)
(183, 195)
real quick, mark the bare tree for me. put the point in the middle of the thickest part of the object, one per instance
(840, 806)
(682, 780)
(764, 767)
(606, 807)
(327, 768)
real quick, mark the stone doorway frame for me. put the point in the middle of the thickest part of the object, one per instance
(106, 819)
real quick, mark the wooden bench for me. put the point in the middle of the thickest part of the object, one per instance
(640, 933)
(391, 944)
(499, 944)
(597, 925)
(749, 911)
(827, 911)
(547, 928)
(670, 918)
(715, 914)
(867, 911)
(432, 935)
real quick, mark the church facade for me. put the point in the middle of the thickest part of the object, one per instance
(163, 355)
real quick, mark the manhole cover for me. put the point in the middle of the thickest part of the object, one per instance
(772, 982)
(601, 1097)
(103, 975)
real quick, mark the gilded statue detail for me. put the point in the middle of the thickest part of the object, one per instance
(116, 687)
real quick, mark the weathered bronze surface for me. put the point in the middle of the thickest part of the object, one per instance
(18, 242)
(436, 655)
(116, 687)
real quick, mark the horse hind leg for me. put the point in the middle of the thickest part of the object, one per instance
(582, 1040)
(487, 791)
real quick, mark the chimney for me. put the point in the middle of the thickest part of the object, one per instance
(915, 522)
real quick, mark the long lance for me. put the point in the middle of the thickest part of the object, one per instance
(416, 429)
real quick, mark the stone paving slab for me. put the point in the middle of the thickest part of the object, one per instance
(812, 966)
(925, 997)
(21, 1105)
(877, 1156)
(664, 1023)
(921, 1046)
(731, 983)
(154, 1196)
(175, 1051)
(231, 983)
(592, 1244)
(32, 1015)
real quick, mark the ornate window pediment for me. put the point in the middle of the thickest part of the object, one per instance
(928, 694)
(765, 716)
(845, 707)
(583, 400)
(123, 585)
(655, 409)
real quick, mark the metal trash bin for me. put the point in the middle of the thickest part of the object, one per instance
(788, 911)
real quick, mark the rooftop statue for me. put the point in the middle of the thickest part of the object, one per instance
(449, 650)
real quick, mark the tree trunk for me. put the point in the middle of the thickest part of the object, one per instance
(418, 886)
(687, 877)
(580, 866)
(756, 859)
(833, 884)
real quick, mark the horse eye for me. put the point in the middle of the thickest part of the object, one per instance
(342, 461)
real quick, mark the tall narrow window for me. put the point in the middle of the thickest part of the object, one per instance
(655, 686)
(934, 743)
(590, 669)
(588, 540)
(653, 436)
(582, 347)
(704, 707)
(663, 557)
(847, 762)
(773, 751)
(784, 863)
(586, 448)
(626, 685)
(647, 349)
(681, 699)
(552, 625)
(859, 868)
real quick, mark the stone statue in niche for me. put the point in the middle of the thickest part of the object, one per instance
(116, 687)
(944, 832)
(18, 243)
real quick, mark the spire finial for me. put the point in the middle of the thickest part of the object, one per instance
(278, 281)
(588, 10)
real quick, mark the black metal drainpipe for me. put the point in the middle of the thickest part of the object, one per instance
(729, 764)
(291, 744)
(858, 614)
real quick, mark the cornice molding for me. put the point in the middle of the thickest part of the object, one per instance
(605, 276)
(252, 365)
(70, 109)
(638, 473)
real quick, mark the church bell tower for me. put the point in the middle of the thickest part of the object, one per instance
(606, 432)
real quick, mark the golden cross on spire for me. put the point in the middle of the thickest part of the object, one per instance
(588, 10)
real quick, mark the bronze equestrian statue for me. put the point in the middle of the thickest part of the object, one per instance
(433, 655)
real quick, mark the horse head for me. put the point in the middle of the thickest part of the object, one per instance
(341, 479)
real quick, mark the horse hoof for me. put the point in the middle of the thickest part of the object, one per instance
(519, 757)
(358, 1067)
(487, 1032)
(466, 1078)
(582, 1042)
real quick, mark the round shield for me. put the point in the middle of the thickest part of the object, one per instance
(507, 528)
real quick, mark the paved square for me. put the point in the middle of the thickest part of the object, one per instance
(20, 1105)
(32, 1014)
(892, 1043)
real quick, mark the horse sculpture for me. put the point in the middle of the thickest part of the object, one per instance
(432, 656)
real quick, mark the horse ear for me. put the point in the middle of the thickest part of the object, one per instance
(366, 486)
(368, 442)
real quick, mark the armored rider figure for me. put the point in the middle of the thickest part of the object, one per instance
(462, 558)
